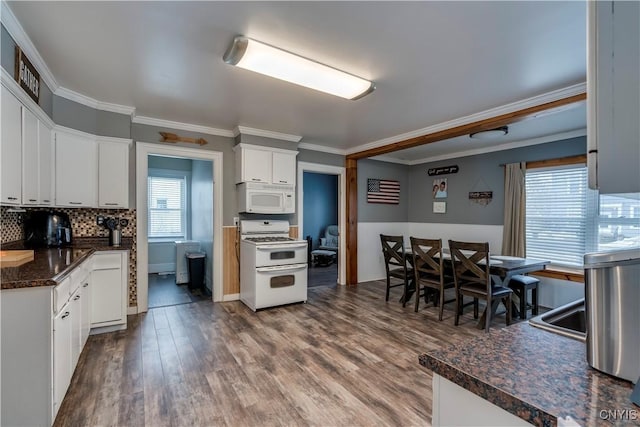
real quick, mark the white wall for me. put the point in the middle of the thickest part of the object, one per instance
(552, 292)
(162, 257)
(202, 212)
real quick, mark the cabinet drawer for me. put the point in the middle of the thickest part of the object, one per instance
(61, 294)
(106, 261)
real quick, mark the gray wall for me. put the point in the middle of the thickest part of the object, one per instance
(376, 212)
(476, 173)
(8, 62)
(320, 157)
(171, 163)
(74, 115)
(202, 212)
(145, 133)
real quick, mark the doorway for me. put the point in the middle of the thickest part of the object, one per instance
(179, 205)
(325, 216)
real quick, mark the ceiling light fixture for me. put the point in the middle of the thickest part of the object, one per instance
(491, 133)
(268, 60)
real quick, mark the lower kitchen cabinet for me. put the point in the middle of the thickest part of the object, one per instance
(63, 347)
(109, 290)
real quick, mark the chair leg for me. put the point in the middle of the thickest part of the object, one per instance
(388, 287)
(406, 292)
(418, 296)
(508, 305)
(534, 300)
(458, 308)
(441, 303)
(488, 311)
(475, 308)
(523, 303)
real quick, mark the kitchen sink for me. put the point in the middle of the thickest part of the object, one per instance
(569, 320)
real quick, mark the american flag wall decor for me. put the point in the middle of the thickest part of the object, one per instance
(383, 191)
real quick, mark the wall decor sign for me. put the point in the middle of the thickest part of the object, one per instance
(26, 75)
(440, 207)
(443, 170)
(481, 197)
(383, 191)
(440, 188)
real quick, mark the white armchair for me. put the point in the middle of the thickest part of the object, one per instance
(330, 240)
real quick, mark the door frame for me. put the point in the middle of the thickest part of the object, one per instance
(143, 151)
(342, 207)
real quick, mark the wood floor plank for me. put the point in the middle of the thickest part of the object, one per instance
(347, 357)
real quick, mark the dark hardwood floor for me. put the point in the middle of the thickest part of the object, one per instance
(163, 292)
(322, 275)
(346, 358)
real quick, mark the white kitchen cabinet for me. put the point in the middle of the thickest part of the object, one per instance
(30, 167)
(85, 308)
(284, 168)
(113, 175)
(613, 103)
(265, 164)
(109, 289)
(75, 307)
(10, 149)
(76, 163)
(45, 164)
(63, 362)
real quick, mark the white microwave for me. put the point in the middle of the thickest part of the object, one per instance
(254, 197)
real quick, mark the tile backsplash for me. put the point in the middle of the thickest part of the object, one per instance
(83, 224)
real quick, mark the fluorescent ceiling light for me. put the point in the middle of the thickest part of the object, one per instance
(490, 134)
(268, 60)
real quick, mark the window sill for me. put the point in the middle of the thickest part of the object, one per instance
(555, 273)
(165, 240)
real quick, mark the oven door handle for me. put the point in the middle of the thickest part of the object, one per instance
(281, 268)
(281, 247)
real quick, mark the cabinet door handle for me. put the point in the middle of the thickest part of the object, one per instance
(65, 315)
(12, 198)
(75, 203)
(47, 201)
(85, 285)
(32, 200)
(256, 179)
(284, 182)
(111, 204)
(77, 298)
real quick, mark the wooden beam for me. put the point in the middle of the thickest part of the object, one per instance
(352, 221)
(491, 123)
(562, 161)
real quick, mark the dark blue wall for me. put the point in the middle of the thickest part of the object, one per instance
(320, 204)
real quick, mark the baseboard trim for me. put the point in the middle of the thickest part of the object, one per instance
(162, 268)
(231, 297)
(132, 310)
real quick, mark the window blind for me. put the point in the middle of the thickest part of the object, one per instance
(559, 215)
(167, 207)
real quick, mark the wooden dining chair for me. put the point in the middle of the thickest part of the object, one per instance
(470, 263)
(395, 263)
(429, 271)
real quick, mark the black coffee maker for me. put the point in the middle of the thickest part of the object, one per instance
(45, 229)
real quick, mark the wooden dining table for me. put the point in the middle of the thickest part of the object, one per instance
(502, 269)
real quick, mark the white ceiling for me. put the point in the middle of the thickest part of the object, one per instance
(432, 61)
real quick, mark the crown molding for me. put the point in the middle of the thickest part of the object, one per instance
(150, 121)
(114, 140)
(265, 133)
(21, 38)
(93, 103)
(72, 131)
(476, 117)
(15, 89)
(322, 148)
(508, 146)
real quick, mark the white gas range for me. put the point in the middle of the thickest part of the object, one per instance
(273, 266)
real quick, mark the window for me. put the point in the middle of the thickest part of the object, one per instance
(565, 219)
(167, 206)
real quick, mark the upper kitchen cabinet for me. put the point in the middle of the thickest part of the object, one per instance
(11, 149)
(613, 101)
(76, 163)
(113, 175)
(45, 164)
(267, 165)
(30, 169)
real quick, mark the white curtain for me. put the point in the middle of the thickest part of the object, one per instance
(513, 236)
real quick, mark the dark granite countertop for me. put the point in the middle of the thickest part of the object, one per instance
(536, 375)
(50, 266)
